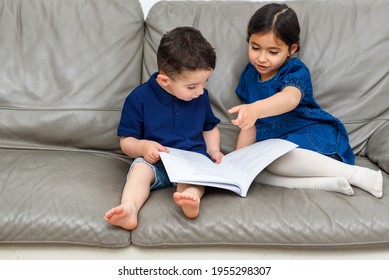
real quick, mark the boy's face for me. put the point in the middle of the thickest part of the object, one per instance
(267, 53)
(186, 86)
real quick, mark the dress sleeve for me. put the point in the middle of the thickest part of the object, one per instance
(295, 73)
(245, 79)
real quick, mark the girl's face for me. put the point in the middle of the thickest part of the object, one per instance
(267, 53)
(186, 86)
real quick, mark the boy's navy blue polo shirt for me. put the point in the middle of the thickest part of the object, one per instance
(151, 113)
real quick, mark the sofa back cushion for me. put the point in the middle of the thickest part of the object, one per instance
(66, 68)
(344, 43)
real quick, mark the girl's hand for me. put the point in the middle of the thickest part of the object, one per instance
(247, 115)
(151, 149)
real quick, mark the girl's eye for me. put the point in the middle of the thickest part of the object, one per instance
(191, 87)
(273, 52)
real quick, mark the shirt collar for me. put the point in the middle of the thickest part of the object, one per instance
(164, 96)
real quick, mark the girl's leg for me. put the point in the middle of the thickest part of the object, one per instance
(306, 163)
(333, 184)
(188, 197)
(135, 193)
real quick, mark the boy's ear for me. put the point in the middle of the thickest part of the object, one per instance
(162, 79)
(293, 48)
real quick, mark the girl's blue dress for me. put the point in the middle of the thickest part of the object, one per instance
(307, 125)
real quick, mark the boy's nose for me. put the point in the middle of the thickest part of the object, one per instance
(201, 91)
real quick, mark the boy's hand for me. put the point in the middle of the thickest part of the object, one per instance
(217, 156)
(247, 116)
(151, 149)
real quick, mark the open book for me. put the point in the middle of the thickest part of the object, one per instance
(236, 172)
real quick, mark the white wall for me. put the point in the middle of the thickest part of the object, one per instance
(146, 5)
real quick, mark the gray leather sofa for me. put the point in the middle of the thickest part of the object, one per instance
(66, 68)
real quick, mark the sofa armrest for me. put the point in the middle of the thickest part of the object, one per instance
(377, 147)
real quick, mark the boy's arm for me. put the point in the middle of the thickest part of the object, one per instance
(282, 102)
(134, 148)
(212, 140)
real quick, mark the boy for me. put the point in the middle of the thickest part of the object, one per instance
(171, 109)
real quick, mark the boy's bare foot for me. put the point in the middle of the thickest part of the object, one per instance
(189, 202)
(123, 216)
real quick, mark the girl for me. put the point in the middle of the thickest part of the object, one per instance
(276, 91)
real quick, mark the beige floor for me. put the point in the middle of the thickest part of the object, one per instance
(8, 252)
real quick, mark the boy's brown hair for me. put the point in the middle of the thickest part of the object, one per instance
(183, 49)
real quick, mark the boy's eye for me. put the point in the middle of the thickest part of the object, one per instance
(273, 52)
(191, 87)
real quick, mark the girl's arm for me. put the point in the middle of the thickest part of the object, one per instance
(134, 148)
(212, 140)
(282, 102)
(246, 137)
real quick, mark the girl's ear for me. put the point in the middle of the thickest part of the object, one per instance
(293, 48)
(163, 79)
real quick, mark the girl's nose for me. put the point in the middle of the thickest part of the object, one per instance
(262, 57)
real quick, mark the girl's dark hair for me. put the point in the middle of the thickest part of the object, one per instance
(182, 49)
(278, 18)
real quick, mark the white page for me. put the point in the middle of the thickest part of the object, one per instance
(236, 171)
(246, 163)
(184, 166)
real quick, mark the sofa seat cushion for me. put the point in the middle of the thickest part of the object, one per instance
(60, 197)
(268, 217)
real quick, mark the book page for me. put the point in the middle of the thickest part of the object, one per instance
(195, 168)
(236, 171)
(246, 163)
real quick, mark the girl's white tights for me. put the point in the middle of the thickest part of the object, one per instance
(302, 168)
(333, 184)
